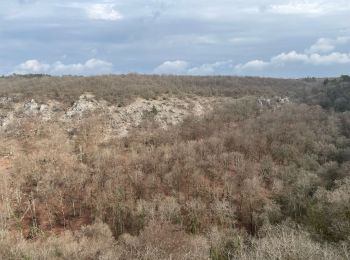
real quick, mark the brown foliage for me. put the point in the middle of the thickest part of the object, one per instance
(219, 186)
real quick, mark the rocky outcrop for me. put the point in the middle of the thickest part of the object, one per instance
(5, 101)
(85, 104)
(43, 111)
(272, 103)
(31, 107)
(164, 111)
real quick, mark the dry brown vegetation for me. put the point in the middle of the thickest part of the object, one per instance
(123, 89)
(240, 182)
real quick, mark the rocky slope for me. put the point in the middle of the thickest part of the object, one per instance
(165, 111)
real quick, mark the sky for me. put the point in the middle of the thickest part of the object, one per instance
(268, 38)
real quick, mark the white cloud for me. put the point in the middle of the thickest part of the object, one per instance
(211, 68)
(297, 8)
(326, 45)
(308, 7)
(333, 58)
(322, 53)
(314, 58)
(319, 54)
(32, 66)
(292, 56)
(177, 67)
(252, 65)
(103, 12)
(322, 45)
(92, 66)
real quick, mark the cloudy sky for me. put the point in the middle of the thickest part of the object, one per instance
(278, 38)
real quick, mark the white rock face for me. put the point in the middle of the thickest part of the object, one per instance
(31, 107)
(164, 111)
(7, 120)
(11, 111)
(273, 103)
(85, 104)
(285, 100)
(5, 101)
(5, 113)
(43, 111)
